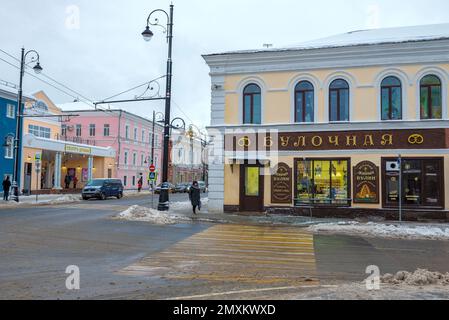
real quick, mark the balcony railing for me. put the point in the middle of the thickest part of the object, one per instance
(78, 140)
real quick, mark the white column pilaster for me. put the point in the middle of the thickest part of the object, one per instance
(58, 171)
(90, 166)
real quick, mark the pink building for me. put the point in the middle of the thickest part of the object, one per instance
(130, 135)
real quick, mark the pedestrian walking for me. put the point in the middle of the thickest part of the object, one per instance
(195, 196)
(67, 181)
(6, 187)
(140, 184)
(75, 182)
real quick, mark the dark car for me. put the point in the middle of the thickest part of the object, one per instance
(165, 185)
(181, 188)
(103, 189)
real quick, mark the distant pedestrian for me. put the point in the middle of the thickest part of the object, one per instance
(75, 182)
(140, 184)
(67, 181)
(195, 196)
(6, 187)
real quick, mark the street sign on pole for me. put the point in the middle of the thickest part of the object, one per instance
(152, 168)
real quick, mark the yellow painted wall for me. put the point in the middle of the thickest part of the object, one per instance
(232, 180)
(278, 94)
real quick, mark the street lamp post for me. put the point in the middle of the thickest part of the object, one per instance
(37, 69)
(147, 35)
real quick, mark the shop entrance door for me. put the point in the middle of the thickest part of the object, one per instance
(27, 178)
(251, 188)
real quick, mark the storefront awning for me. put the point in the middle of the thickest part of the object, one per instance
(31, 141)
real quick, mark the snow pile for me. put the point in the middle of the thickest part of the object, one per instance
(142, 214)
(186, 205)
(63, 199)
(420, 277)
(384, 230)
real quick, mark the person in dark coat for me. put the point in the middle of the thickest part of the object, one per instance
(195, 196)
(6, 186)
(67, 181)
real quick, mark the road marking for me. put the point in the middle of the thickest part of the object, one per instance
(227, 253)
(209, 295)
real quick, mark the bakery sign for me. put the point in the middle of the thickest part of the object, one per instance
(338, 140)
(281, 185)
(366, 183)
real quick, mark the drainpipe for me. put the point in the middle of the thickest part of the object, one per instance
(119, 137)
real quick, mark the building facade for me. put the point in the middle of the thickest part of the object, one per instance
(130, 135)
(47, 160)
(8, 116)
(188, 161)
(355, 124)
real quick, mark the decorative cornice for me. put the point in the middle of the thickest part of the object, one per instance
(390, 54)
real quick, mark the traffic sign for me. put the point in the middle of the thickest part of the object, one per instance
(152, 168)
(152, 176)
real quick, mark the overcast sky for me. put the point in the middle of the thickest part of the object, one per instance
(95, 47)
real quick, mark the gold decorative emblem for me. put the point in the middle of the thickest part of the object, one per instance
(244, 142)
(416, 139)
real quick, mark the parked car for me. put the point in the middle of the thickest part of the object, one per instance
(181, 188)
(168, 185)
(103, 189)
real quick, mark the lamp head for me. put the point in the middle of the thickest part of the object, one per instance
(37, 68)
(147, 34)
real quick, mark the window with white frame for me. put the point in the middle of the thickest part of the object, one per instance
(78, 130)
(142, 159)
(135, 134)
(10, 111)
(127, 131)
(106, 130)
(134, 159)
(92, 130)
(64, 130)
(9, 150)
(125, 160)
(143, 135)
(39, 131)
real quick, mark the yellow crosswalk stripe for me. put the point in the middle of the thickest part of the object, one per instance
(257, 255)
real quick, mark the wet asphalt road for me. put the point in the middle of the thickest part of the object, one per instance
(132, 260)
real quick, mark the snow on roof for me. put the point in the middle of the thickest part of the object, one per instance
(369, 37)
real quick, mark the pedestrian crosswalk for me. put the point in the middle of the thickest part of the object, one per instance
(262, 255)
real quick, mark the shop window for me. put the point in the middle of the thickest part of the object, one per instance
(422, 182)
(304, 102)
(339, 101)
(431, 99)
(252, 104)
(323, 182)
(391, 98)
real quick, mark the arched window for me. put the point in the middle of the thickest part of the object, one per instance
(431, 101)
(339, 100)
(304, 102)
(252, 104)
(391, 98)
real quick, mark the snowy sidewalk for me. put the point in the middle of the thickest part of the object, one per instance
(50, 199)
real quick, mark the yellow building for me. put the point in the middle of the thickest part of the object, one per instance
(334, 127)
(48, 159)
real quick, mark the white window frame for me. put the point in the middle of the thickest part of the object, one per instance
(125, 157)
(134, 158)
(10, 111)
(106, 130)
(9, 152)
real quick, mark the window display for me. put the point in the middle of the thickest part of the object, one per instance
(322, 182)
